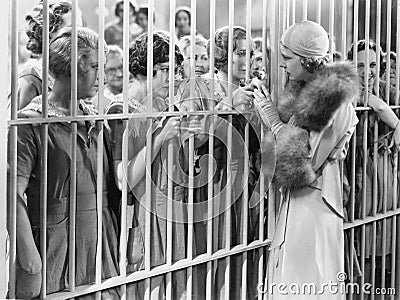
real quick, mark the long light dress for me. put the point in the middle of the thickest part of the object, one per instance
(308, 244)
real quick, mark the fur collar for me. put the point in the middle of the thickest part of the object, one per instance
(312, 104)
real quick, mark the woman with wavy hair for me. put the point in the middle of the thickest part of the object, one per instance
(30, 77)
(312, 123)
(202, 65)
(29, 157)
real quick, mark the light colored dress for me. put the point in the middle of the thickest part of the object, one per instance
(308, 244)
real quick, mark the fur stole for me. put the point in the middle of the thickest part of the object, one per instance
(309, 107)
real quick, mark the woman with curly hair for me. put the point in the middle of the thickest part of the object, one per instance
(202, 65)
(30, 77)
(29, 159)
(164, 131)
(312, 123)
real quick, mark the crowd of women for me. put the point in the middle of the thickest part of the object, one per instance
(307, 133)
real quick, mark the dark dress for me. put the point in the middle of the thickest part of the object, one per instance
(30, 83)
(58, 192)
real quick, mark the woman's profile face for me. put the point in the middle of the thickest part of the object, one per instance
(88, 84)
(291, 63)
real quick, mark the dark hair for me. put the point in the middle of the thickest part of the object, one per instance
(257, 46)
(183, 9)
(35, 23)
(362, 46)
(143, 10)
(221, 44)
(138, 52)
(337, 56)
(312, 64)
(392, 55)
(60, 57)
(121, 3)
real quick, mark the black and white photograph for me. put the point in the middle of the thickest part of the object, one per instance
(200, 149)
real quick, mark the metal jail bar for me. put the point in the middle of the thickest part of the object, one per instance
(4, 246)
(278, 15)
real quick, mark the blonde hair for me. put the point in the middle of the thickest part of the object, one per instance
(60, 56)
(184, 43)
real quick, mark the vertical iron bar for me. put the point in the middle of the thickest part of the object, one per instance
(229, 158)
(4, 48)
(388, 42)
(100, 147)
(375, 157)
(344, 28)
(74, 129)
(13, 149)
(210, 189)
(395, 237)
(331, 28)
(149, 107)
(191, 150)
(293, 20)
(170, 161)
(44, 149)
(365, 146)
(319, 9)
(353, 182)
(245, 216)
(125, 136)
(305, 5)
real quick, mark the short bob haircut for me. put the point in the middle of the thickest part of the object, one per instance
(35, 22)
(60, 57)
(221, 44)
(184, 43)
(138, 52)
(361, 46)
(184, 9)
